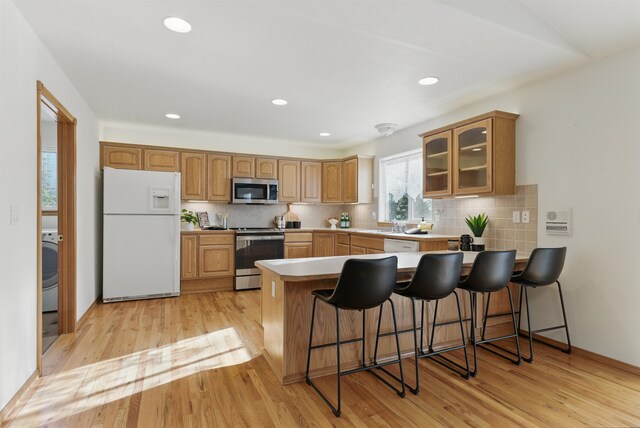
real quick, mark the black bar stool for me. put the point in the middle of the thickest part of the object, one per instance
(544, 268)
(363, 284)
(490, 273)
(436, 278)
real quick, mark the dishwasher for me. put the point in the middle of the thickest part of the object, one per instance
(400, 246)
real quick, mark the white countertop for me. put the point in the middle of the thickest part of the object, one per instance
(382, 233)
(301, 269)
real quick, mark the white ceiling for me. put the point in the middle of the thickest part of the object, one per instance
(343, 65)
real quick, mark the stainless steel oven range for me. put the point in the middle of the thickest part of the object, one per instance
(253, 244)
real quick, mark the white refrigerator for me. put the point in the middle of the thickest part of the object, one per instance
(141, 253)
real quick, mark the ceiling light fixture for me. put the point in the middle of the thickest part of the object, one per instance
(279, 102)
(176, 24)
(386, 129)
(428, 81)
(325, 134)
(172, 116)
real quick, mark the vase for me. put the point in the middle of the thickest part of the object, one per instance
(478, 243)
(188, 227)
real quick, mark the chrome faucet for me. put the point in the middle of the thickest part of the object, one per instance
(397, 227)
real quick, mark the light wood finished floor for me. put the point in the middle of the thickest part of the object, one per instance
(195, 361)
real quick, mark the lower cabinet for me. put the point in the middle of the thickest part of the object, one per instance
(366, 245)
(207, 262)
(298, 245)
(343, 244)
(324, 244)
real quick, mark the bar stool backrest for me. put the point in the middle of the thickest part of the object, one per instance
(437, 276)
(365, 283)
(544, 266)
(491, 270)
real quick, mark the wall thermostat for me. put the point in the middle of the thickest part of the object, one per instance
(558, 221)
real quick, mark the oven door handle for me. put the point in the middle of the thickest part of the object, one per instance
(259, 238)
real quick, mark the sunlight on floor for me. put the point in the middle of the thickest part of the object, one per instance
(77, 390)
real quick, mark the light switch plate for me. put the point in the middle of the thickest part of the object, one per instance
(15, 214)
(525, 216)
(516, 216)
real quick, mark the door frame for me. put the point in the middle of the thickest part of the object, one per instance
(67, 124)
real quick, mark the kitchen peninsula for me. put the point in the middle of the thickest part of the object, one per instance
(286, 314)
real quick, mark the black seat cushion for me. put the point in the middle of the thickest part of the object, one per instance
(491, 271)
(544, 267)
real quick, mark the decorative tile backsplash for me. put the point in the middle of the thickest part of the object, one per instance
(263, 215)
(448, 216)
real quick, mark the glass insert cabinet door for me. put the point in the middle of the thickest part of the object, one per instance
(472, 163)
(436, 151)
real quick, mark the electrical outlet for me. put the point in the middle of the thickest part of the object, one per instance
(516, 216)
(525, 216)
(273, 289)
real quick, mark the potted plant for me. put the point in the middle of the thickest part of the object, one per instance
(189, 219)
(477, 224)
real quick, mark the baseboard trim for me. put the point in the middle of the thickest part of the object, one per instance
(588, 354)
(83, 318)
(8, 409)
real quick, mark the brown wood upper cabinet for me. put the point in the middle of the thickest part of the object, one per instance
(472, 157)
(244, 166)
(332, 181)
(311, 182)
(219, 178)
(121, 157)
(193, 167)
(357, 178)
(289, 184)
(267, 168)
(161, 160)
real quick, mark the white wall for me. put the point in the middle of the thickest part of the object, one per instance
(190, 139)
(23, 61)
(577, 138)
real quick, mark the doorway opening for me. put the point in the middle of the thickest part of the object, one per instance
(56, 217)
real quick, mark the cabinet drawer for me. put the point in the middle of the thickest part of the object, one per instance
(366, 242)
(217, 239)
(342, 238)
(298, 237)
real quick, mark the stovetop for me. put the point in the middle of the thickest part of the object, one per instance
(252, 230)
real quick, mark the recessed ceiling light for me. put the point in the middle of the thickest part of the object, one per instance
(325, 134)
(426, 81)
(176, 24)
(280, 102)
(172, 116)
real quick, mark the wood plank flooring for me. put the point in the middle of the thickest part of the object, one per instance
(195, 361)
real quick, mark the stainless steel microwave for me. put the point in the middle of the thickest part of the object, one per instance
(254, 191)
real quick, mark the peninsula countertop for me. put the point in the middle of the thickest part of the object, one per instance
(298, 270)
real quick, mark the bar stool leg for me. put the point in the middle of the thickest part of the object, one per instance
(415, 345)
(520, 308)
(336, 412)
(395, 329)
(515, 331)
(422, 329)
(564, 316)
(433, 327)
(364, 348)
(472, 297)
(486, 313)
(375, 351)
(464, 343)
(313, 317)
(526, 299)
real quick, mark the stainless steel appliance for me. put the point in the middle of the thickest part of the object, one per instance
(253, 244)
(254, 191)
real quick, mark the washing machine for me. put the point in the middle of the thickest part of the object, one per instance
(49, 270)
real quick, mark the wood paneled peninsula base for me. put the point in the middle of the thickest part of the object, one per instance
(286, 315)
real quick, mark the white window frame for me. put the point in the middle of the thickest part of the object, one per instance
(48, 208)
(382, 189)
